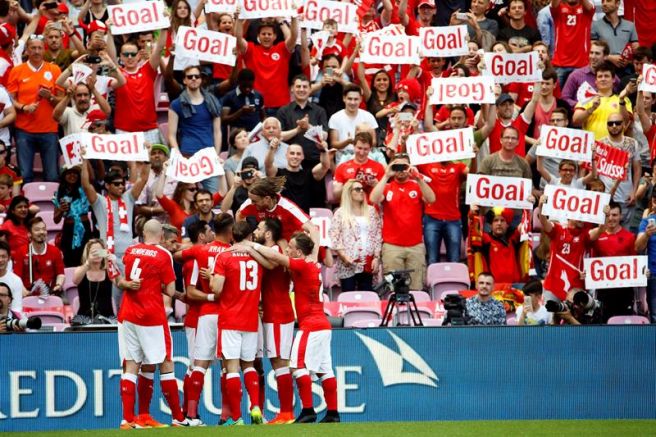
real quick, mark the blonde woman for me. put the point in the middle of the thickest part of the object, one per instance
(356, 236)
(93, 284)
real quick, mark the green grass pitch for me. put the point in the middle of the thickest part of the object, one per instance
(619, 428)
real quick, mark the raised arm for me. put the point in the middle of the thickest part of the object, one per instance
(290, 40)
(85, 181)
(142, 179)
(242, 44)
(156, 54)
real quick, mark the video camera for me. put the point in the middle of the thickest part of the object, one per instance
(396, 281)
(22, 324)
(456, 308)
(581, 299)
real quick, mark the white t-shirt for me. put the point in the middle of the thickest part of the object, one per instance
(576, 183)
(539, 317)
(345, 125)
(16, 286)
(5, 101)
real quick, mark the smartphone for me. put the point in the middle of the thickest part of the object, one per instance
(461, 16)
(56, 25)
(92, 59)
(399, 167)
(527, 304)
(329, 71)
(102, 253)
(651, 222)
(405, 116)
(247, 174)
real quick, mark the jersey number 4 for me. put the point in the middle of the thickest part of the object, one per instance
(248, 278)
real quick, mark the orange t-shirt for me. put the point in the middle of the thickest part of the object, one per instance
(24, 84)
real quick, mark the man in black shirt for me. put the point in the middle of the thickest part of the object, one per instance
(519, 36)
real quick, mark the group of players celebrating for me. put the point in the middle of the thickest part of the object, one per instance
(238, 279)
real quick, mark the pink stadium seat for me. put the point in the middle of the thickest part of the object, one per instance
(68, 273)
(58, 327)
(180, 310)
(511, 321)
(330, 197)
(329, 280)
(321, 212)
(75, 305)
(628, 320)
(359, 305)
(355, 314)
(326, 298)
(164, 131)
(432, 322)
(447, 276)
(48, 317)
(420, 296)
(358, 296)
(331, 309)
(426, 311)
(371, 323)
(35, 303)
(41, 194)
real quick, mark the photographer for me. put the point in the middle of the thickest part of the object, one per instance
(533, 312)
(11, 321)
(579, 308)
(482, 309)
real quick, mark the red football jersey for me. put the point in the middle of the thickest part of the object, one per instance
(276, 303)
(308, 295)
(204, 256)
(446, 180)
(503, 258)
(193, 306)
(572, 27)
(135, 101)
(271, 67)
(495, 136)
(290, 215)
(240, 299)
(566, 260)
(154, 266)
(621, 243)
(352, 170)
(403, 212)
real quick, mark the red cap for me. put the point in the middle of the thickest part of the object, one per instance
(61, 7)
(430, 3)
(412, 87)
(7, 34)
(96, 115)
(97, 25)
(507, 213)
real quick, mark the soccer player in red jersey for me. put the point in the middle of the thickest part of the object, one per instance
(568, 245)
(204, 257)
(200, 234)
(264, 201)
(311, 348)
(144, 335)
(278, 318)
(237, 280)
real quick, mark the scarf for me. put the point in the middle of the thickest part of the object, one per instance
(123, 218)
(212, 103)
(78, 207)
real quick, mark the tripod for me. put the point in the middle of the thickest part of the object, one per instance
(411, 310)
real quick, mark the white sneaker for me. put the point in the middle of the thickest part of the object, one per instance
(184, 422)
(195, 422)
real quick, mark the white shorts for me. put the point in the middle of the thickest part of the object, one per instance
(237, 345)
(190, 333)
(260, 339)
(206, 337)
(279, 338)
(144, 344)
(311, 350)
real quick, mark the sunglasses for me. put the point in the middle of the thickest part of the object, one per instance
(118, 183)
(129, 54)
(358, 189)
(3, 151)
(193, 76)
(192, 189)
(614, 123)
(39, 37)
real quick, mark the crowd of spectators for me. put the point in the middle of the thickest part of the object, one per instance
(388, 214)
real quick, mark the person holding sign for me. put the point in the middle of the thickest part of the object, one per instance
(269, 61)
(195, 121)
(506, 162)
(568, 246)
(646, 242)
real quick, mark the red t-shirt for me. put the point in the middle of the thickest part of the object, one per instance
(621, 243)
(276, 303)
(154, 266)
(503, 259)
(444, 113)
(350, 169)
(45, 266)
(290, 215)
(271, 68)
(446, 180)
(495, 137)
(572, 26)
(643, 14)
(308, 295)
(18, 236)
(240, 298)
(204, 256)
(135, 101)
(567, 248)
(193, 306)
(176, 213)
(524, 91)
(402, 214)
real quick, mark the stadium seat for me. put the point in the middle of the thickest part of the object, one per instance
(355, 314)
(370, 323)
(424, 309)
(53, 228)
(358, 296)
(432, 322)
(420, 296)
(36, 303)
(75, 305)
(326, 298)
(511, 321)
(628, 320)
(180, 310)
(330, 197)
(447, 276)
(164, 131)
(47, 317)
(358, 305)
(329, 280)
(68, 273)
(41, 194)
(58, 327)
(321, 212)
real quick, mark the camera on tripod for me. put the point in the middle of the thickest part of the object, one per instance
(397, 282)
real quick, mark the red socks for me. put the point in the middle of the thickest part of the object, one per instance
(252, 383)
(185, 391)
(145, 391)
(195, 387)
(285, 390)
(262, 388)
(234, 394)
(170, 391)
(128, 395)
(225, 405)
(304, 384)
(329, 384)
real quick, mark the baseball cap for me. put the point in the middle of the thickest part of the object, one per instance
(7, 34)
(503, 98)
(97, 25)
(62, 8)
(250, 162)
(430, 3)
(113, 175)
(95, 116)
(161, 147)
